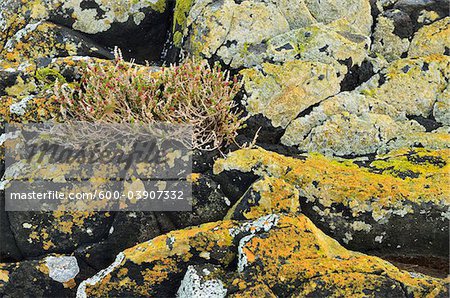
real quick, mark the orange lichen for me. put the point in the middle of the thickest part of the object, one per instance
(163, 255)
(266, 196)
(333, 181)
(308, 253)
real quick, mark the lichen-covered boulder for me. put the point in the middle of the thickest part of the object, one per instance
(379, 115)
(410, 28)
(265, 196)
(199, 282)
(237, 33)
(156, 267)
(50, 276)
(208, 203)
(275, 254)
(46, 232)
(109, 23)
(420, 12)
(282, 92)
(431, 39)
(441, 110)
(363, 204)
(47, 40)
(332, 44)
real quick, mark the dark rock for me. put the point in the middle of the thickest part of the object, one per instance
(402, 22)
(209, 203)
(51, 276)
(9, 252)
(144, 226)
(39, 233)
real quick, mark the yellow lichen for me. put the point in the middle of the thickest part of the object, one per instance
(345, 182)
(266, 196)
(4, 275)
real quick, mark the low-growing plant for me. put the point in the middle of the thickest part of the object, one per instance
(191, 93)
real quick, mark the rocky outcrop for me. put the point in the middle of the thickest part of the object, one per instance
(107, 23)
(275, 254)
(361, 205)
(237, 34)
(372, 118)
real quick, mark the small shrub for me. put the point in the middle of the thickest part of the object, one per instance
(192, 93)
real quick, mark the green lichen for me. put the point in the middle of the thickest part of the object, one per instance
(159, 6)
(48, 77)
(182, 8)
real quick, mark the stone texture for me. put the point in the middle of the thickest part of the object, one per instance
(431, 39)
(279, 253)
(45, 39)
(333, 44)
(236, 33)
(282, 92)
(51, 276)
(372, 118)
(386, 42)
(363, 204)
(109, 23)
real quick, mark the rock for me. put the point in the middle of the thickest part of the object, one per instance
(376, 115)
(9, 252)
(50, 276)
(431, 39)
(197, 283)
(279, 254)
(107, 23)
(369, 125)
(281, 93)
(420, 12)
(362, 205)
(331, 44)
(45, 39)
(441, 110)
(258, 290)
(423, 11)
(391, 35)
(265, 196)
(209, 204)
(423, 78)
(60, 232)
(25, 84)
(166, 258)
(145, 225)
(237, 33)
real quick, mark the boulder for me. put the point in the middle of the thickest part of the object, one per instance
(40, 233)
(236, 33)
(378, 116)
(282, 92)
(50, 276)
(431, 39)
(362, 204)
(138, 26)
(276, 255)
